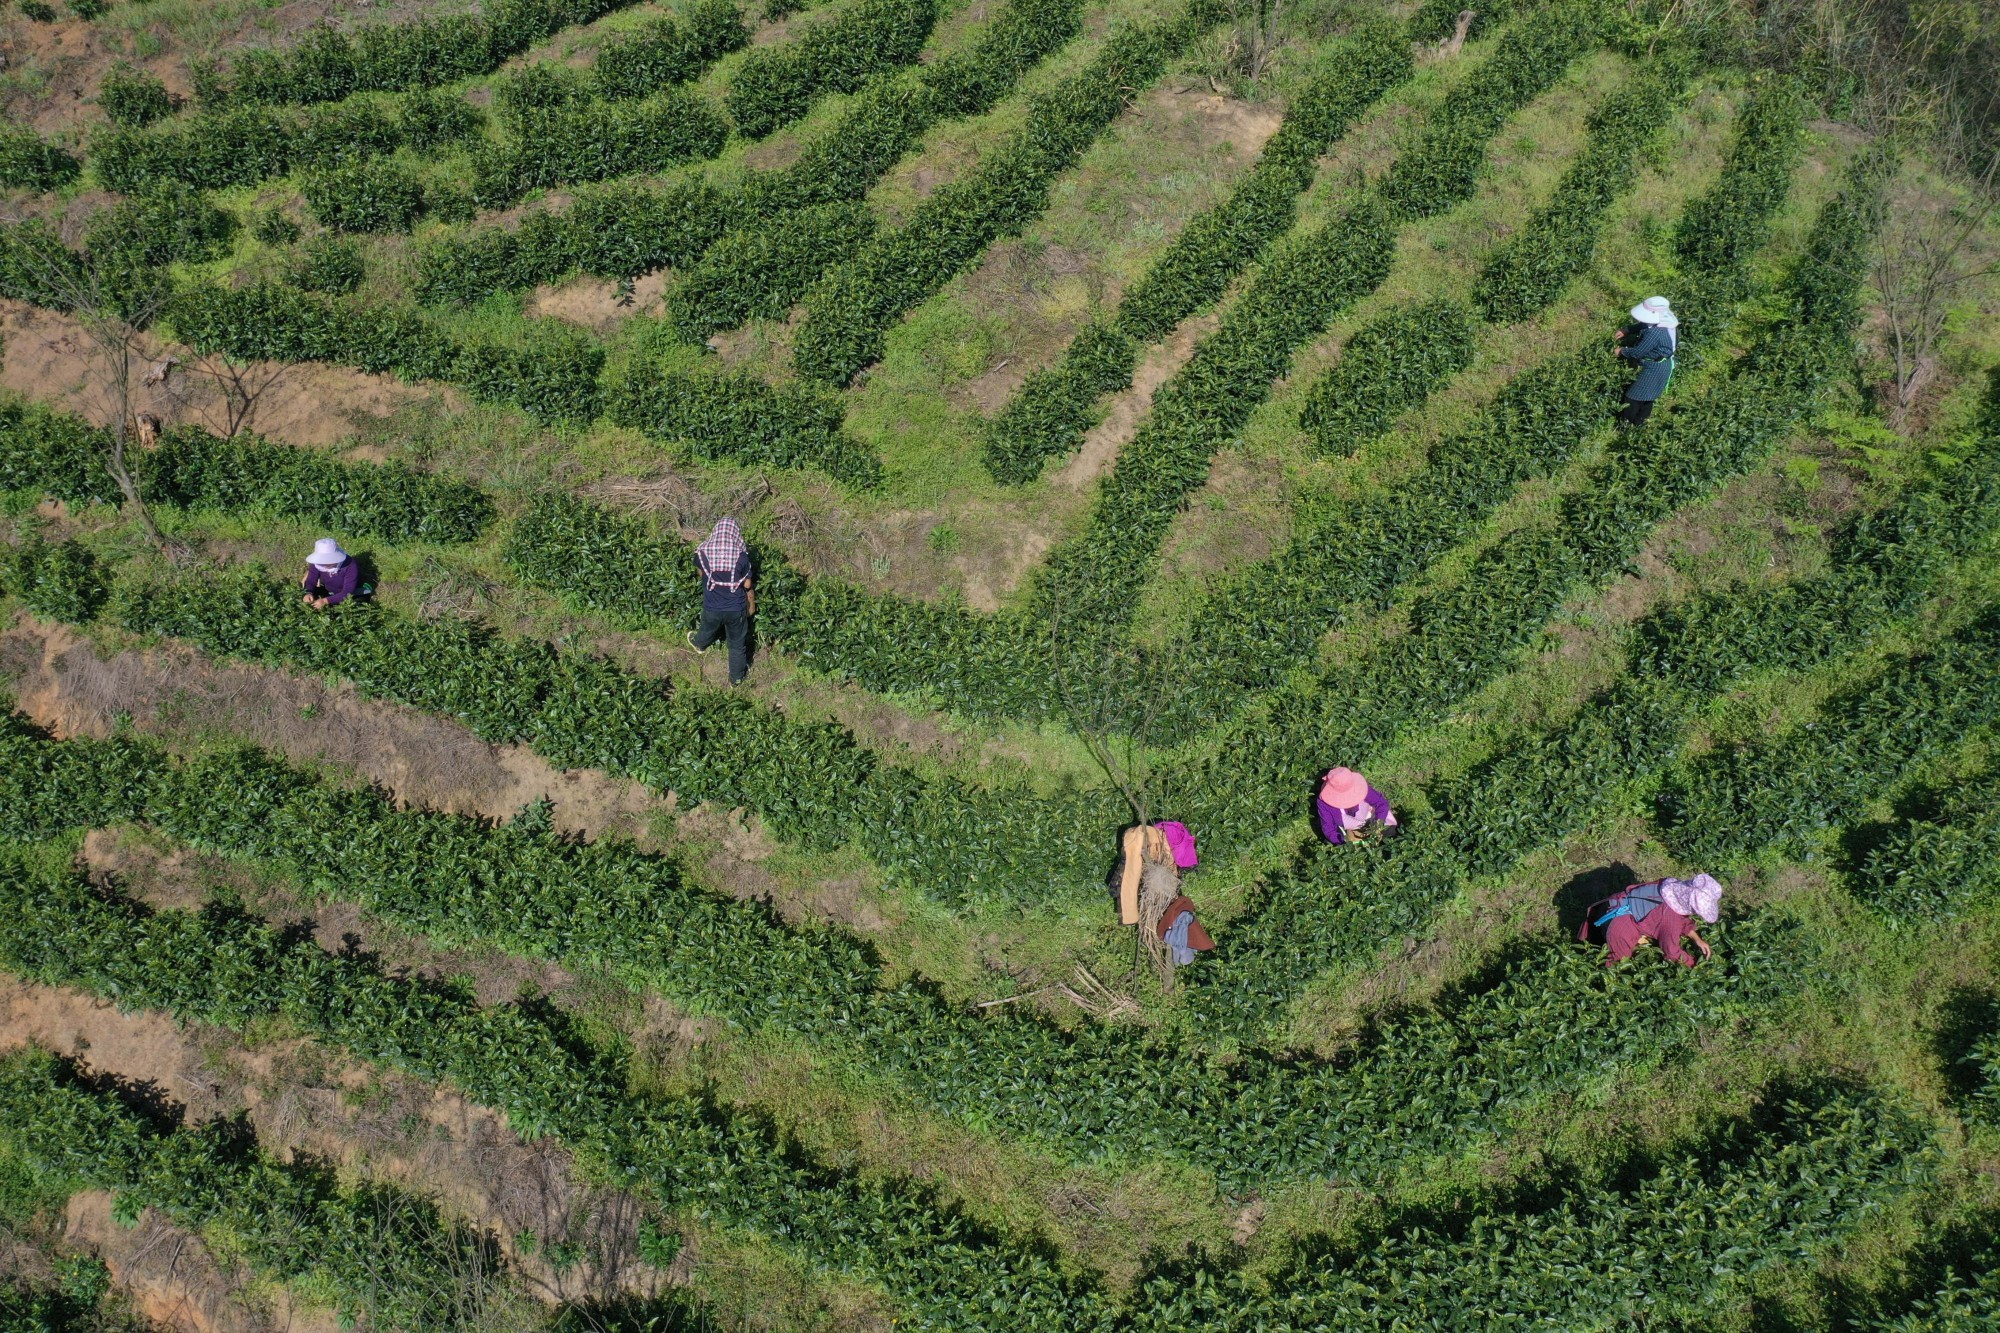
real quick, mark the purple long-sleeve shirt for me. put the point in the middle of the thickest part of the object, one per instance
(337, 585)
(1329, 816)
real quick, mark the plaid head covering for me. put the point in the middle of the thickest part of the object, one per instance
(718, 555)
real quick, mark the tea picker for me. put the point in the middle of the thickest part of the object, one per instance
(1650, 340)
(1662, 910)
(1350, 810)
(1150, 860)
(332, 576)
(727, 599)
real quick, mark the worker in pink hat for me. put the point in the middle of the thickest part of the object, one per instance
(1350, 810)
(1663, 911)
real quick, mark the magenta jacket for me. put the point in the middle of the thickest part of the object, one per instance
(1329, 818)
(338, 586)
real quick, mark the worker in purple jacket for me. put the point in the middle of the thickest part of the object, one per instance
(1350, 810)
(331, 575)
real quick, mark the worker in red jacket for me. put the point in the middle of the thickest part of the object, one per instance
(1661, 910)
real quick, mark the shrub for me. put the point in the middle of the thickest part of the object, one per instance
(58, 580)
(326, 65)
(26, 163)
(1442, 167)
(429, 120)
(240, 146)
(1531, 269)
(39, 10)
(133, 98)
(847, 314)
(741, 418)
(777, 84)
(1387, 367)
(273, 227)
(590, 141)
(1051, 410)
(761, 270)
(170, 223)
(364, 197)
(329, 264)
(669, 50)
(89, 9)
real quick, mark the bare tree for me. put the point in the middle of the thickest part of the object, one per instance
(237, 386)
(113, 305)
(1924, 261)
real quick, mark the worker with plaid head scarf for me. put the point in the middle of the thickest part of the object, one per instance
(727, 601)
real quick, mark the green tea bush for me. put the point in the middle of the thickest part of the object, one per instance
(59, 580)
(327, 65)
(168, 224)
(371, 1248)
(133, 98)
(27, 163)
(1529, 272)
(1719, 232)
(621, 231)
(1442, 168)
(1051, 410)
(555, 379)
(89, 9)
(590, 140)
(1093, 581)
(1936, 868)
(741, 418)
(848, 313)
(63, 457)
(679, 1151)
(1389, 366)
(240, 146)
(775, 85)
(668, 51)
(760, 271)
(273, 227)
(375, 196)
(39, 10)
(1790, 790)
(329, 264)
(430, 120)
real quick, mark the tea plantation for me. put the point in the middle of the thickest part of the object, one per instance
(1133, 409)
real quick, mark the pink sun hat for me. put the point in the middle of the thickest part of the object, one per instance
(1700, 896)
(1343, 789)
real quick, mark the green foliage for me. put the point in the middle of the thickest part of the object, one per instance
(1094, 581)
(760, 271)
(89, 9)
(39, 10)
(848, 313)
(681, 1152)
(1442, 167)
(370, 196)
(273, 227)
(374, 1248)
(1051, 410)
(555, 380)
(326, 65)
(738, 416)
(775, 85)
(133, 98)
(430, 120)
(167, 224)
(1938, 867)
(1530, 271)
(63, 457)
(1387, 367)
(27, 163)
(329, 264)
(1718, 233)
(667, 51)
(240, 146)
(58, 580)
(588, 140)
(1788, 791)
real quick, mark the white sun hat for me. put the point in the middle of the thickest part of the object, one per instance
(1655, 310)
(327, 554)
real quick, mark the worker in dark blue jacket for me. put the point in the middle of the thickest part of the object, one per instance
(1650, 340)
